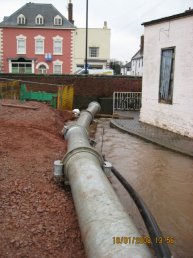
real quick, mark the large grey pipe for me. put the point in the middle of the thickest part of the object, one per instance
(106, 229)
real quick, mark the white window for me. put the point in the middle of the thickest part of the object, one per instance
(21, 44)
(57, 45)
(21, 65)
(93, 51)
(21, 19)
(42, 68)
(39, 44)
(39, 19)
(57, 67)
(57, 20)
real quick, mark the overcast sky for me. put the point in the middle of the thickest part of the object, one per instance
(124, 18)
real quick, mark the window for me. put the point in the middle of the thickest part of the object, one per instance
(39, 45)
(21, 19)
(57, 67)
(166, 75)
(57, 45)
(21, 44)
(21, 67)
(42, 67)
(57, 20)
(39, 19)
(93, 51)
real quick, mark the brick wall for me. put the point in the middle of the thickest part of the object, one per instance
(86, 88)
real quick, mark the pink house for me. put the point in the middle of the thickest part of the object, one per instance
(37, 38)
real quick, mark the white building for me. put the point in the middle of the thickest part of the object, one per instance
(167, 89)
(135, 66)
(126, 69)
(137, 61)
(98, 55)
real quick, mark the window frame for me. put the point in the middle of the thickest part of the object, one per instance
(58, 20)
(19, 39)
(167, 88)
(21, 67)
(39, 20)
(56, 40)
(21, 19)
(42, 70)
(57, 63)
(39, 38)
(95, 49)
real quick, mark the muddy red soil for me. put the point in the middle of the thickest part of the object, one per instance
(37, 216)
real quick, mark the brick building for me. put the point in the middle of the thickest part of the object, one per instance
(37, 38)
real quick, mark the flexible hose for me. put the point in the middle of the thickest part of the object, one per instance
(161, 249)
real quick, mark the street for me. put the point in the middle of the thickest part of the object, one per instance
(163, 179)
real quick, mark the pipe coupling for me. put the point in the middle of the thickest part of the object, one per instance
(68, 158)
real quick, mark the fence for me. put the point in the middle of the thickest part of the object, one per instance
(65, 97)
(126, 101)
(62, 98)
(9, 90)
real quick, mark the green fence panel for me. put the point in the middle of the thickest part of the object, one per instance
(38, 96)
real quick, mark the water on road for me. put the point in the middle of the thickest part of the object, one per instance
(164, 179)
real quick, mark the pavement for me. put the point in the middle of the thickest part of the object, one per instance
(129, 122)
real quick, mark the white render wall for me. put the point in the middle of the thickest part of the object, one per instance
(97, 37)
(177, 117)
(137, 67)
(124, 71)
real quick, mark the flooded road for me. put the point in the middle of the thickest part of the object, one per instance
(163, 178)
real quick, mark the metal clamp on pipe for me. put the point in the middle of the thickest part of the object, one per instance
(107, 169)
(75, 154)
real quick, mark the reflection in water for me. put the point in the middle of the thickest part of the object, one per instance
(163, 178)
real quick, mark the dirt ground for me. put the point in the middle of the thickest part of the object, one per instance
(37, 217)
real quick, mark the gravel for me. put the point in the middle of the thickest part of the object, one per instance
(37, 216)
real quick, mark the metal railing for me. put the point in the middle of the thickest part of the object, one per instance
(126, 101)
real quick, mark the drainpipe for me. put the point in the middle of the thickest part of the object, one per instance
(106, 229)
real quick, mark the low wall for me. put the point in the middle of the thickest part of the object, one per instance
(86, 87)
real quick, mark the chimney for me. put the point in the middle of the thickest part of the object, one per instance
(105, 25)
(142, 44)
(189, 10)
(70, 12)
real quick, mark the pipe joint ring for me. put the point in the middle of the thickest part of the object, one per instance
(67, 158)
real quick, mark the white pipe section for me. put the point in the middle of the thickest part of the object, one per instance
(107, 230)
(87, 115)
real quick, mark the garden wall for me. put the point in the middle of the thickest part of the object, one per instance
(86, 87)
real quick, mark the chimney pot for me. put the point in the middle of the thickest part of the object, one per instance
(105, 25)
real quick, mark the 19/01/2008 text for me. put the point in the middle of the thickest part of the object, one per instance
(142, 240)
